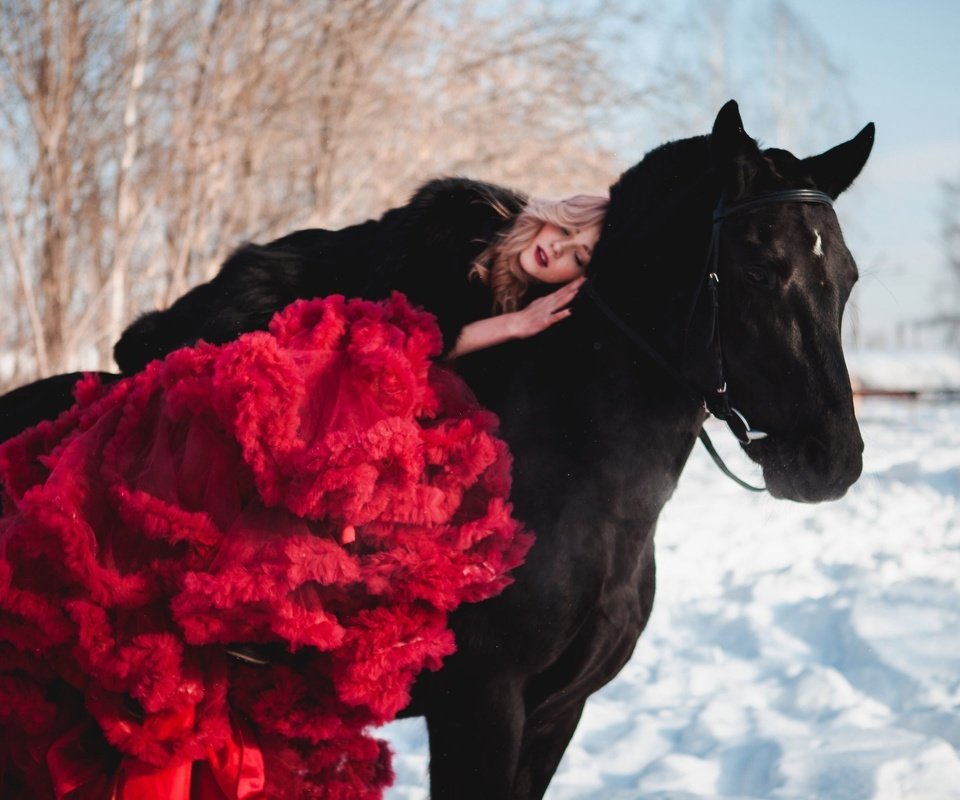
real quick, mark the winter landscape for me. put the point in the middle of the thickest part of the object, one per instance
(802, 652)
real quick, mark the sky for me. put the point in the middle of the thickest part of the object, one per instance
(899, 67)
(901, 63)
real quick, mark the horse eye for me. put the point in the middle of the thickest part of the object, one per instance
(760, 277)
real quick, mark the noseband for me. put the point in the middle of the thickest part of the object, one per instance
(715, 400)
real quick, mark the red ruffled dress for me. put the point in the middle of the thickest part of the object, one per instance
(323, 489)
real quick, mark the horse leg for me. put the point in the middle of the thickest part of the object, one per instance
(546, 736)
(475, 728)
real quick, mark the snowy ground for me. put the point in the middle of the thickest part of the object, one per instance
(803, 652)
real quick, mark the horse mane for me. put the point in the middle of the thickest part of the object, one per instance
(658, 175)
(653, 231)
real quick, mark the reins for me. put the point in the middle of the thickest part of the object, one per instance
(717, 400)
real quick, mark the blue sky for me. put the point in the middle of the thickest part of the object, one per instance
(901, 63)
(899, 66)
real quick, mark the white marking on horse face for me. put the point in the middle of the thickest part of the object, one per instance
(818, 245)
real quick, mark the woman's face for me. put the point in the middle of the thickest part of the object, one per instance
(558, 255)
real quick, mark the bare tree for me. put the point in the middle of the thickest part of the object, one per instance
(805, 82)
(141, 140)
(951, 226)
(950, 229)
(765, 55)
(41, 62)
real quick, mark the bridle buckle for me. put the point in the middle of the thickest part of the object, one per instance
(749, 434)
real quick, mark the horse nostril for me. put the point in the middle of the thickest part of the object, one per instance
(838, 464)
(816, 456)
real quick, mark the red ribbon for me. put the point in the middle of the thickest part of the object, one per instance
(74, 761)
(80, 769)
(137, 781)
(237, 768)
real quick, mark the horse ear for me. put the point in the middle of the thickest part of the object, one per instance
(733, 152)
(834, 170)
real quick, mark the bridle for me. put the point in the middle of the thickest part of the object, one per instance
(716, 400)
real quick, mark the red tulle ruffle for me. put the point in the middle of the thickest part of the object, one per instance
(323, 489)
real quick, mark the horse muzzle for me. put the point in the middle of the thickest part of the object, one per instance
(810, 467)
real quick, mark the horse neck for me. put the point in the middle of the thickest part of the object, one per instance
(645, 414)
(590, 420)
(651, 261)
(644, 420)
(587, 410)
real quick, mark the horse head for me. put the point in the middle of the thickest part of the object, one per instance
(787, 275)
(742, 281)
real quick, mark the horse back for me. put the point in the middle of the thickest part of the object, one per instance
(41, 400)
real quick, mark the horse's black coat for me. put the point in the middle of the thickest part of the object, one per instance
(598, 432)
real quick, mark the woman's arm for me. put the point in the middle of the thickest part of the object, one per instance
(535, 318)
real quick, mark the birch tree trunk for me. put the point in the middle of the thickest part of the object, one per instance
(142, 140)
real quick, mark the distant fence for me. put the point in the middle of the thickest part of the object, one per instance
(910, 394)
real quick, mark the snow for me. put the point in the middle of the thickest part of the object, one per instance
(794, 651)
(930, 369)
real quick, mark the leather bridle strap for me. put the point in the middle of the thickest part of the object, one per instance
(786, 196)
(708, 446)
(716, 402)
(667, 367)
(637, 339)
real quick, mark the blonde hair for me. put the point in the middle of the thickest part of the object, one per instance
(498, 266)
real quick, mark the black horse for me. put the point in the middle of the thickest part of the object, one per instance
(720, 277)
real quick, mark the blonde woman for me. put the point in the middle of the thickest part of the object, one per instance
(549, 242)
(475, 255)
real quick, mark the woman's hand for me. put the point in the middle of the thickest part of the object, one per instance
(529, 321)
(545, 311)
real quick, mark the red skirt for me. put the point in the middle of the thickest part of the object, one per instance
(323, 490)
